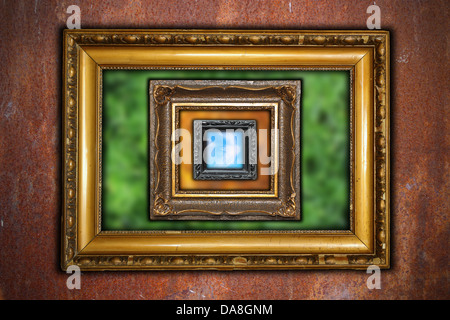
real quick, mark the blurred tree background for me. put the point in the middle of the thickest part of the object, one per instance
(325, 148)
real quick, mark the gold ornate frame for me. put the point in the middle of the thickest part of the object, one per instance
(87, 52)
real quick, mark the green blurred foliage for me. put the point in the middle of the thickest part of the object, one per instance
(324, 150)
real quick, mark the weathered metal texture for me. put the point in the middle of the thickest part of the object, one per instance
(30, 152)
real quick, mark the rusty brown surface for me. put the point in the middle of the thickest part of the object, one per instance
(30, 152)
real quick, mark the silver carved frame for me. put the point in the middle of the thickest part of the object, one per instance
(249, 170)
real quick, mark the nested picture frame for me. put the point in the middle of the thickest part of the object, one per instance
(280, 199)
(365, 54)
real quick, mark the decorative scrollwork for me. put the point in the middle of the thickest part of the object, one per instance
(287, 94)
(199, 261)
(162, 94)
(287, 209)
(70, 149)
(229, 39)
(161, 206)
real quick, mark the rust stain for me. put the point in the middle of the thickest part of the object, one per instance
(30, 152)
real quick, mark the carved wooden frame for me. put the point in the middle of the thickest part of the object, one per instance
(87, 52)
(281, 202)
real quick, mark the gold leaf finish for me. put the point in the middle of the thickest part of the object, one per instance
(365, 53)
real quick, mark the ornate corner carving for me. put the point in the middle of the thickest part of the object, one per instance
(162, 94)
(161, 206)
(287, 94)
(287, 209)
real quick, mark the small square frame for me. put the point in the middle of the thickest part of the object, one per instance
(249, 170)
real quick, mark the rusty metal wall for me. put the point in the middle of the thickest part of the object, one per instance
(30, 152)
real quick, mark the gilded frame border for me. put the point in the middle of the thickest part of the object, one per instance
(269, 106)
(87, 52)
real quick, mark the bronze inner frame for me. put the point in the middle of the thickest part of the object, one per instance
(176, 104)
